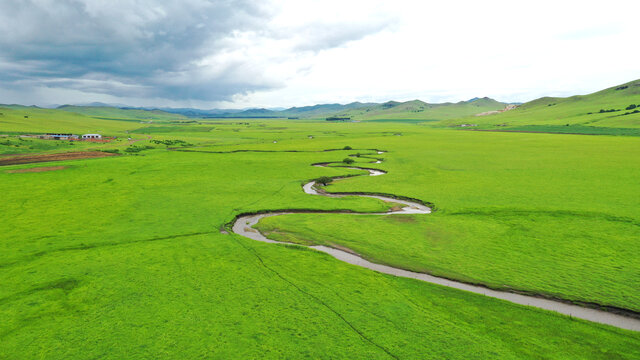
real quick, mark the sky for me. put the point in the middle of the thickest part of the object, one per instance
(281, 53)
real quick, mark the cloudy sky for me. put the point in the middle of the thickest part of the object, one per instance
(280, 53)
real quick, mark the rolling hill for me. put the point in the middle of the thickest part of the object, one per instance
(420, 110)
(30, 119)
(116, 113)
(615, 111)
(617, 107)
(413, 110)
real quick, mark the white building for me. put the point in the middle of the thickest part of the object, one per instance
(91, 136)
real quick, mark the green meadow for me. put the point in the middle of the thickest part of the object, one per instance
(14, 145)
(129, 256)
(550, 214)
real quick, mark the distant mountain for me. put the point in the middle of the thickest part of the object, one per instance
(17, 106)
(100, 104)
(191, 112)
(313, 111)
(420, 110)
(414, 109)
(323, 109)
(617, 107)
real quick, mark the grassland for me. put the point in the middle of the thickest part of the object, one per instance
(17, 145)
(577, 129)
(122, 257)
(22, 119)
(514, 211)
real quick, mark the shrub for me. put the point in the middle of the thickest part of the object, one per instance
(112, 151)
(324, 180)
(347, 148)
(631, 107)
(348, 161)
(136, 149)
(171, 142)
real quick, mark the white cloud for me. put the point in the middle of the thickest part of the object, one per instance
(303, 52)
(455, 50)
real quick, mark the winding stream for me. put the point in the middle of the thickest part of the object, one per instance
(243, 225)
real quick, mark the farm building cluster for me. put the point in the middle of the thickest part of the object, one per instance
(69, 137)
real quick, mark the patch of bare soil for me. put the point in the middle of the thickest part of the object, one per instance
(507, 108)
(31, 158)
(37, 169)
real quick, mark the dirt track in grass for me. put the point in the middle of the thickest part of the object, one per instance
(31, 158)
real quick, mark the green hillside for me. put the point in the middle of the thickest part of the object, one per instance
(114, 113)
(420, 110)
(323, 110)
(617, 107)
(409, 110)
(27, 119)
(79, 119)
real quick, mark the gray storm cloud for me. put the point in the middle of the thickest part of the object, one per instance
(147, 48)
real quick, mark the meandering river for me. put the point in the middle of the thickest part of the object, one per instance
(243, 225)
